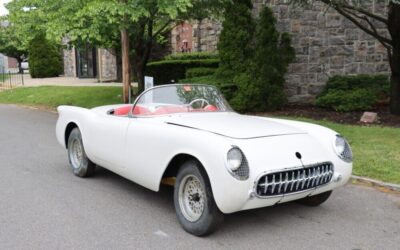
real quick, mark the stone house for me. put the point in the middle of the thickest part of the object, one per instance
(90, 63)
(326, 44)
(8, 64)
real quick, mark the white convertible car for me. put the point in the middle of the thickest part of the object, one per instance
(219, 161)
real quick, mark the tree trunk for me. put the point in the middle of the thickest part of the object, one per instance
(394, 57)
(21, 71)
(119, 66)
(395, 93)
(126, 67)
(126, 73)
(139, 75)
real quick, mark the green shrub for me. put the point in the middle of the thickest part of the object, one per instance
(345, 101)
(234, 46)
(192, 56)
(254, 58)
(209, 79)
(353, 93)
(379, 84)
(201, 71)
(174, 70)
(44, 58)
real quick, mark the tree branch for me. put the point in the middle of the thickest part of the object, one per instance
(352, 17)
(387, 44)
(155, 34)
(367, 13)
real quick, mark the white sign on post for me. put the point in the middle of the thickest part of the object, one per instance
(148, 83)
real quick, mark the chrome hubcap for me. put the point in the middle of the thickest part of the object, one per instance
(76, 153)
(191, 198)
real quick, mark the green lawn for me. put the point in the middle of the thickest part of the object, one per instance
(52, 96)
(376, 149)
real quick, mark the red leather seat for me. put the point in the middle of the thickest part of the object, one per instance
(210, 108)
(124, 111)
(139, 110)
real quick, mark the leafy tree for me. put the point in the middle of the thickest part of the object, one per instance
(44, 58)
(254, 57)
(130, 25)
(273, 53)
(10, 44)
(368, 21)
(235, 42)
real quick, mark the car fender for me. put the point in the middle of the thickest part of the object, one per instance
(72, 114)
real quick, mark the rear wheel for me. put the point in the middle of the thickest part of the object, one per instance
(79, 162)
(315, 200)
(194, 202)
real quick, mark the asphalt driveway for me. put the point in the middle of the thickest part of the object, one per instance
(44, 206)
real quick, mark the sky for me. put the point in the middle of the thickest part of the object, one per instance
(3, 10)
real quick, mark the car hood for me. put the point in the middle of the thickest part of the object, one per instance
(233, 125)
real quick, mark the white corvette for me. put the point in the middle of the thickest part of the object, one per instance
(219, 161)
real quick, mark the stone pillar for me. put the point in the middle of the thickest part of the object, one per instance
(107, 65)
(69, 59)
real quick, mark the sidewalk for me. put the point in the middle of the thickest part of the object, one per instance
(67, 81)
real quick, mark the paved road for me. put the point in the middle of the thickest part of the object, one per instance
(43, 206)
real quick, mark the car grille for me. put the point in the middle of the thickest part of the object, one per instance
(294, 180)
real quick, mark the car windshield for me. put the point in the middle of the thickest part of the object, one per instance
(179, 98)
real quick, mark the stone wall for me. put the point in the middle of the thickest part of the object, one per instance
(326, 44)
(107, 65)
(69, 61)
(206, 32)
(209, 32)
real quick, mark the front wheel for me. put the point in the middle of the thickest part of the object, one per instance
(194, 202)
(315, 200)
(79, 162)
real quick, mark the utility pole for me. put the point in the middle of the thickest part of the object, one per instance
(126, 71)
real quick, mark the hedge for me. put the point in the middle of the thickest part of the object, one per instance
(354, 93)
(192, 56)
(201, 71)
(168, 71)
(44, 57)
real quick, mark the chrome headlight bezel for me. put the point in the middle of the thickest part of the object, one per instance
(238, 170)
(342, 149)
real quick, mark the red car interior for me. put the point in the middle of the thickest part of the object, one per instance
(140, 110)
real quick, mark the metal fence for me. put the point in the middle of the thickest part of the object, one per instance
(10, 78)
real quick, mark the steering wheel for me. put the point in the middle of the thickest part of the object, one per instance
(204, 102)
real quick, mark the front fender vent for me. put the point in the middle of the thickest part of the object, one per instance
(294, 180)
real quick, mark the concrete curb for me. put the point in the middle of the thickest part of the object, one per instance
(391, 186)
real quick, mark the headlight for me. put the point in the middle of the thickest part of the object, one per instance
(236, 163)
(234, 159)
(342, 149)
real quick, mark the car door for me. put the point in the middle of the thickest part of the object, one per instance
(147, 150)
(107, 140)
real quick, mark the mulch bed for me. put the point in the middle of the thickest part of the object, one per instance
(385, 118)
